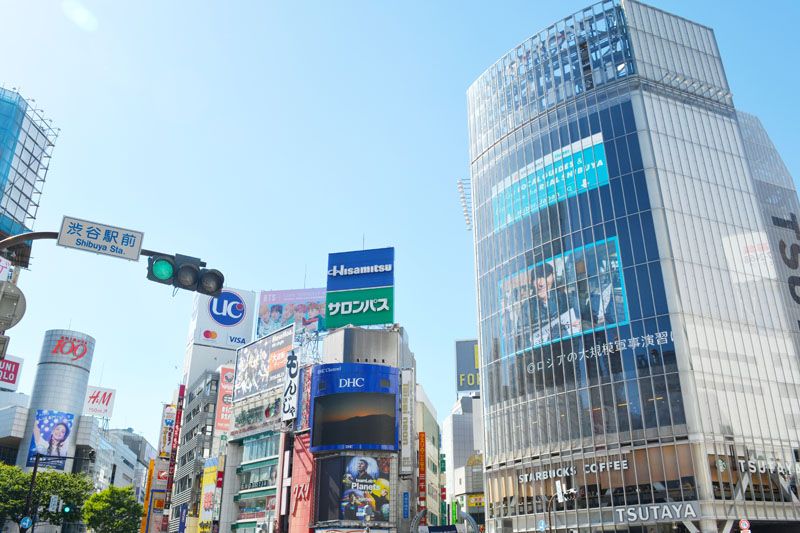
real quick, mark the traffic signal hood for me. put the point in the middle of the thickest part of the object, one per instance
(185, 272)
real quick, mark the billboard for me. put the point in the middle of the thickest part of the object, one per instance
(52, 431)
(468, 378)
(225, 321)
(224, 412)
(568, 295)
(303, 421)
(360, 307)
(407, 403)
(305, 308)
(208, 488)
(366, 491)
(360, 288)
(261, 365)
(290, 392)
(10, 368)
(355, 406)
(99, 402)
(167, 428)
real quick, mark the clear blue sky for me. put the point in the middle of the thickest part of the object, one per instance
(263, 135)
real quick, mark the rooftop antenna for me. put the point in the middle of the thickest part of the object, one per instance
(464, 187)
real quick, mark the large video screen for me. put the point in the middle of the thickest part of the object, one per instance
(357, 420)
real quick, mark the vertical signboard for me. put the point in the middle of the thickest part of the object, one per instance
(423, 482)
(208, 488)
(167, 429)
(467, 366)
(289, 400)
(52, 434)
(407, 403)
(174, 451)
(360, 288)
(10, 368)
(224, 412)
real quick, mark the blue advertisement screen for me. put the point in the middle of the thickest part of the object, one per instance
(52, 431)
(360, 269)
(564, 296)
(565, 173)
(354, 407)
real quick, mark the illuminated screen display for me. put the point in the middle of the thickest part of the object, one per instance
(357, 420)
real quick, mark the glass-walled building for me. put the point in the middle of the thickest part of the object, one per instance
(638, 307)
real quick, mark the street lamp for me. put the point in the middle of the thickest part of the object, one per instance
(568, 494)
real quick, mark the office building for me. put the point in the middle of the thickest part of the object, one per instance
(462, 445)
(428, 430)
(635, 242)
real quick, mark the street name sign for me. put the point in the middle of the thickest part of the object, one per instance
(100, 238)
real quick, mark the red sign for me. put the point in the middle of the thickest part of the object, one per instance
(71, 347)
(422, 485)
(224, 415)
(162, 475)
(301, 507)
(176, 432)
(9, 372)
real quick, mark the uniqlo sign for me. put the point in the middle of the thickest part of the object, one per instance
(10, 368)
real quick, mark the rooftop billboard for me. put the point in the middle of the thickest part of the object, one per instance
(305, 308)
(261, 365)
(360, 288)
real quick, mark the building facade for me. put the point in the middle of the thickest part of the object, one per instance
(462, 445)
(428, 428)
(26, 144)
(635, 255)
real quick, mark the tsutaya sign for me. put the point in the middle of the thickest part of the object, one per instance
(100, 238)
(656, 512)
(571, 470)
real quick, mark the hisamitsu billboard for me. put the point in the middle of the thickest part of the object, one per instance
(361, 269)
(468, 378)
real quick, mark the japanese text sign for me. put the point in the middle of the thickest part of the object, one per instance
(100, 238)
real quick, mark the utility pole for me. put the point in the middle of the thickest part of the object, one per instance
(30, 490)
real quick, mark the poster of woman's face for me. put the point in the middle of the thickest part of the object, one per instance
(51, 436)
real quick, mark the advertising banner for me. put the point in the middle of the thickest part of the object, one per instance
(261, 365)
(355, 407)
(167, 428)
(225, 321)
(209, 487)
(10, 368)
(224, 411)
(173, 454)
(475, 501)
(407, 403)
(422, 485)
(99, 402)
(183, 512)
(303, 421)
(52, 431)
(468, 378)
(567, 172)
(571, 294)
(305, 308)
(289, 400)
(366, 491)
(360, 269)
(360, 307)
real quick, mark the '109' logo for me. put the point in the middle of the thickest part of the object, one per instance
(71, 347)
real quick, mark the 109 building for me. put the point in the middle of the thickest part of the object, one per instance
(636, 245)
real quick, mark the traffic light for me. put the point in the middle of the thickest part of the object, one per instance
(185, 272)
(67, 511)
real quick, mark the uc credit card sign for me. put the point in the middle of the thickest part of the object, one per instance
(360, 289)
(361, 269)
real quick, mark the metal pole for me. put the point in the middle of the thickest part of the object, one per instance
(29, 499)
(14, 240)
(550, 513)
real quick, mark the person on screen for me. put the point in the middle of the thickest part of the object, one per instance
(53, 447)
(551, 316)
(601, 299)
(351, 507)
(362, 475)
(273, 321)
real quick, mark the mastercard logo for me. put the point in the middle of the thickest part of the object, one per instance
(209, 334)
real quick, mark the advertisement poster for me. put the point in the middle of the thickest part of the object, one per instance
(167, 427)
(468, 378)
(208, 487)
(261, 365)
(565, 296)
(10, 368)
(290, 392)
(305, 308)
(99, 402)
(224, 413)
(366, 493)
(52, 432)
(303, 421)
(356, 407)
(225, 321)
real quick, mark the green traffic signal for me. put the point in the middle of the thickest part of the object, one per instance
(66, 509)
(163, 269)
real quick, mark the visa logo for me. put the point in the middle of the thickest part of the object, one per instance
(236, 340)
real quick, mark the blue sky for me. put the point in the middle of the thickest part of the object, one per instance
(263, 135)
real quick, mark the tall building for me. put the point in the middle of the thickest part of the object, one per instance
(636, 251)
(26, 143)
(462, 445)
(428, 429)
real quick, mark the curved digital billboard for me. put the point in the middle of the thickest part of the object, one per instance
(355, 406)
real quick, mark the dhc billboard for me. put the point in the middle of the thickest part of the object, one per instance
(355, 406)
(361, 269)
